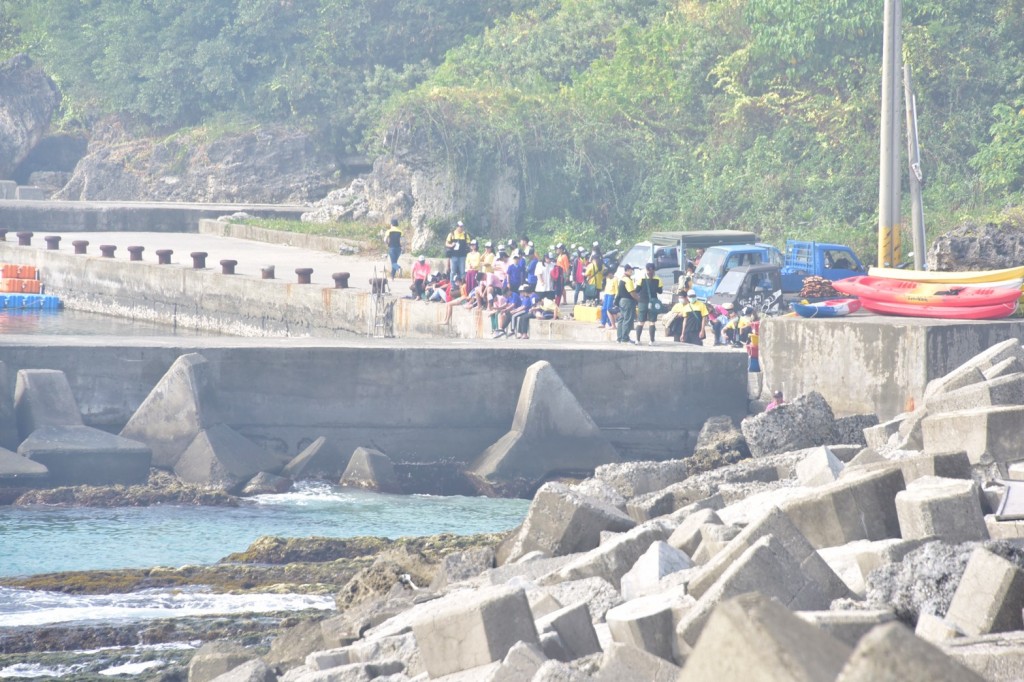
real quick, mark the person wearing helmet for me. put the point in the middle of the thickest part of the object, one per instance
(687, 320)
(626, 299)
(648, 304)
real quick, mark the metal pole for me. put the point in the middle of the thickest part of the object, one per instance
(896, 178)
(914, 157)
(885, 144)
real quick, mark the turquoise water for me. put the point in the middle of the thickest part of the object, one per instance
(44, 540)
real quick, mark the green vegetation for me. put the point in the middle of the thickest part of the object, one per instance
(613, 117)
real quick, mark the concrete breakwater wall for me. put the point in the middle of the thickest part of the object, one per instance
(417, 404)
(128, 216)
(871, 363)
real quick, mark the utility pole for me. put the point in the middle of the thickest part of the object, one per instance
(916, 176)
(889, 198)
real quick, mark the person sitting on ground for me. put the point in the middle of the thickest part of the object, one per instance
(420, 274)
(688, 319)
(745, 325)
(513, 300)
(438, 288)
(718, 316)
(731, 328)
(499, 301)
(519, 317)
(777, 400)
(457, 294)
(547, 309)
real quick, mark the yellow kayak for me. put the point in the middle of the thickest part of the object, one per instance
(970, 277)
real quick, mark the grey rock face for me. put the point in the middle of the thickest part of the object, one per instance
(267, 165)
(26, 108)
(978, 247)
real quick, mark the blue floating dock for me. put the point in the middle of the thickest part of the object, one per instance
(29, 302)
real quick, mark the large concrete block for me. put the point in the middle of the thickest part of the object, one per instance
(477, 630)
(878, 436)
(183, 403)
(648, 623)
(597, 593)
(573, 626)
(687, 536)
(82, 455)
(43, 397)
(805, 422)
(989, 597)
(942, 508)
(550, 432)
(996, 658)
(818, 467)
(892, 652)
(630, 479)
(8, 188)
(848, 626)
(767, 568)
(779, 525)
(1003, 367)
(965, 375)
(29, 193)
(659, 560)
(989, 435)
(18, 474)
(9, 437)
(857, 507)
(250, 671)
(222, 456)
(614, 557)
(849, 430)
(624, 662)
(322, 458)
(370, 469)
(1003, 390)
(755, 639)
(521, 663)
(561, 521)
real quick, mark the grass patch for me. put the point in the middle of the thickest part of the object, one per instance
(355, 230)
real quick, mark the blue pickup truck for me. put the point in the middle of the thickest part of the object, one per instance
(802, 259)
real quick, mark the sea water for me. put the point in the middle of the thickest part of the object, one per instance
(77, 322)
(37, 540)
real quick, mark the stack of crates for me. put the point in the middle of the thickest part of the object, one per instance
(19, 279)
(21, 289)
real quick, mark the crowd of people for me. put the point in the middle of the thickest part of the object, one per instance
(513, 283)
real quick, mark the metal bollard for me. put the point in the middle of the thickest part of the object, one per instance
(135, 252)
(107, 250)
(227, 267)
(52, 242)
(25, 238)
(267, 271)
(304, 275)
(80, 246)
(199, 259)
(341, 280)
(163, 256)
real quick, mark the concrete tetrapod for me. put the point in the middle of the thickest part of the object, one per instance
(182, 404)
(43, 397)
(82, 455)
(551, 433)
(222, 456)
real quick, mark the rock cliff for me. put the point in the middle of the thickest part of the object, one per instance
(972, 246)
(28, 99)
(258, 165)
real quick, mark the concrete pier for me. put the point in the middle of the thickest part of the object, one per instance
(868, 363)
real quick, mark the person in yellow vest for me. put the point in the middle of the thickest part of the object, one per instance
(626, 298)
(593, 283)
(687, 321)
(649, 303)
(611, 289)
(456, 246)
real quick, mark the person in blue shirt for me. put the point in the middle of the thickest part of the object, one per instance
(531, 270)
(515, 273)
(521, 314)
(513, 302)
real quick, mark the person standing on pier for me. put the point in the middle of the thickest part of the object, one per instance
(393, 239)
(457, 245)
(626, 298)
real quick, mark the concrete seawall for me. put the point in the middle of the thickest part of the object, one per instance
(870, 363)
(416, 403)
(128, 216)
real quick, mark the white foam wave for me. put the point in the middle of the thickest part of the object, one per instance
(22, 607)
(35, 670)
(132, 668)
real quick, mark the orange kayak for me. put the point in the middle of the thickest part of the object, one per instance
(926, 293)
